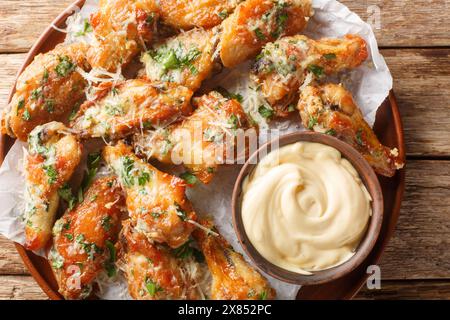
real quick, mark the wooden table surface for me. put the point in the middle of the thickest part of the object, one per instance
(415, 39)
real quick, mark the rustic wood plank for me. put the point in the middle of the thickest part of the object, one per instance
(421, 84)
(401, 22)
(20, 288)
(419, 248)
(409, 290)
(21, 22)
(10, 261)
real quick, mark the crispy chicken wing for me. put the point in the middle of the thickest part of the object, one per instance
(53, 155)
(232, 276)
(257, 22)
(183, 14)
(202, 141)
(156, 201)
(84, 238)
(130, 106)
(153, 272)
(186, 59)
(47, 90)
(121, 28)
(283, 66)
(330, 108)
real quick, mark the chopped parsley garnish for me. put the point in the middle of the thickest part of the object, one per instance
(36, 94)
(26, 115)
(229, 95)
(50, 105)
(180, 212)
(65, 192)
(106, 223)
(331, 132)
(186, 251)
(233, 121)
(189, 178)
(45, 75)
(171, 59)
(128, 166)
(150, 18)
(74, 112)
(52, 174)
(312, 122)
(316, 70)
(143, 178)
(262, 295)
(152, 287)
(69, 236)
(265, 112)
(259, 34)
(109, 265)
(223, 14)
(65, 66)
(20, 105)
(329, 56)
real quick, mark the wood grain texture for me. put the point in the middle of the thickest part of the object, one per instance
(10, 261)
(421, 84)
(409, 290)
(21, 22)
(401, 22)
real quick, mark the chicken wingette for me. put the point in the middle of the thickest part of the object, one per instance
(153, 271)
(182, 14)
(84, 239)
(202, 141)
(121, 28)
(53, 156)
(156, 201)
(331, 109)
(232, 277)
(257, 22)
(186, 59)
(282, 66)
(49, 89)
(124, 108)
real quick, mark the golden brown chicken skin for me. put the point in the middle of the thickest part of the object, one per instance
(52, 158)
(232, 276)
(202, 141)
(156, 201)
(120, 109)
(331, 109)
(121, 28)
(257, 22)
(186, 59)
(84, 238)
(283, 66)
(182, 14)
(153, 272)
(47, 90)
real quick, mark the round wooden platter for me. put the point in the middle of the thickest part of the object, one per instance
(388, 127)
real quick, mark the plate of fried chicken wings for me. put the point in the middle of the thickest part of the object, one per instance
(104, 122)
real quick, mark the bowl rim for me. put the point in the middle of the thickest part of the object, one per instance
(368, 177)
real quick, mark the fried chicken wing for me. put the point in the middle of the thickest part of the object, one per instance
(232, 276)
(130, 106)
(156, 201)
(186, 59)
(283, 66)
(121, 28)
(202, 141)
(153, 272)
(53, 155)
(47, 90)
(84, 238)
(182, 14)
(331, 109)
(257, 22)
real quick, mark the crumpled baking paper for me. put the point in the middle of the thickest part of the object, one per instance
(370, 85)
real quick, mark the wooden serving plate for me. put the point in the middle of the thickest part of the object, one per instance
(388, 127)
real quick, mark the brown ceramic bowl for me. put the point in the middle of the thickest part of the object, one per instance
(369, 179)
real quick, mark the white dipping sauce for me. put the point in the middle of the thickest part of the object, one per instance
(305, 208)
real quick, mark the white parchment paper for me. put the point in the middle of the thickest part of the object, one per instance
(370, 85)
